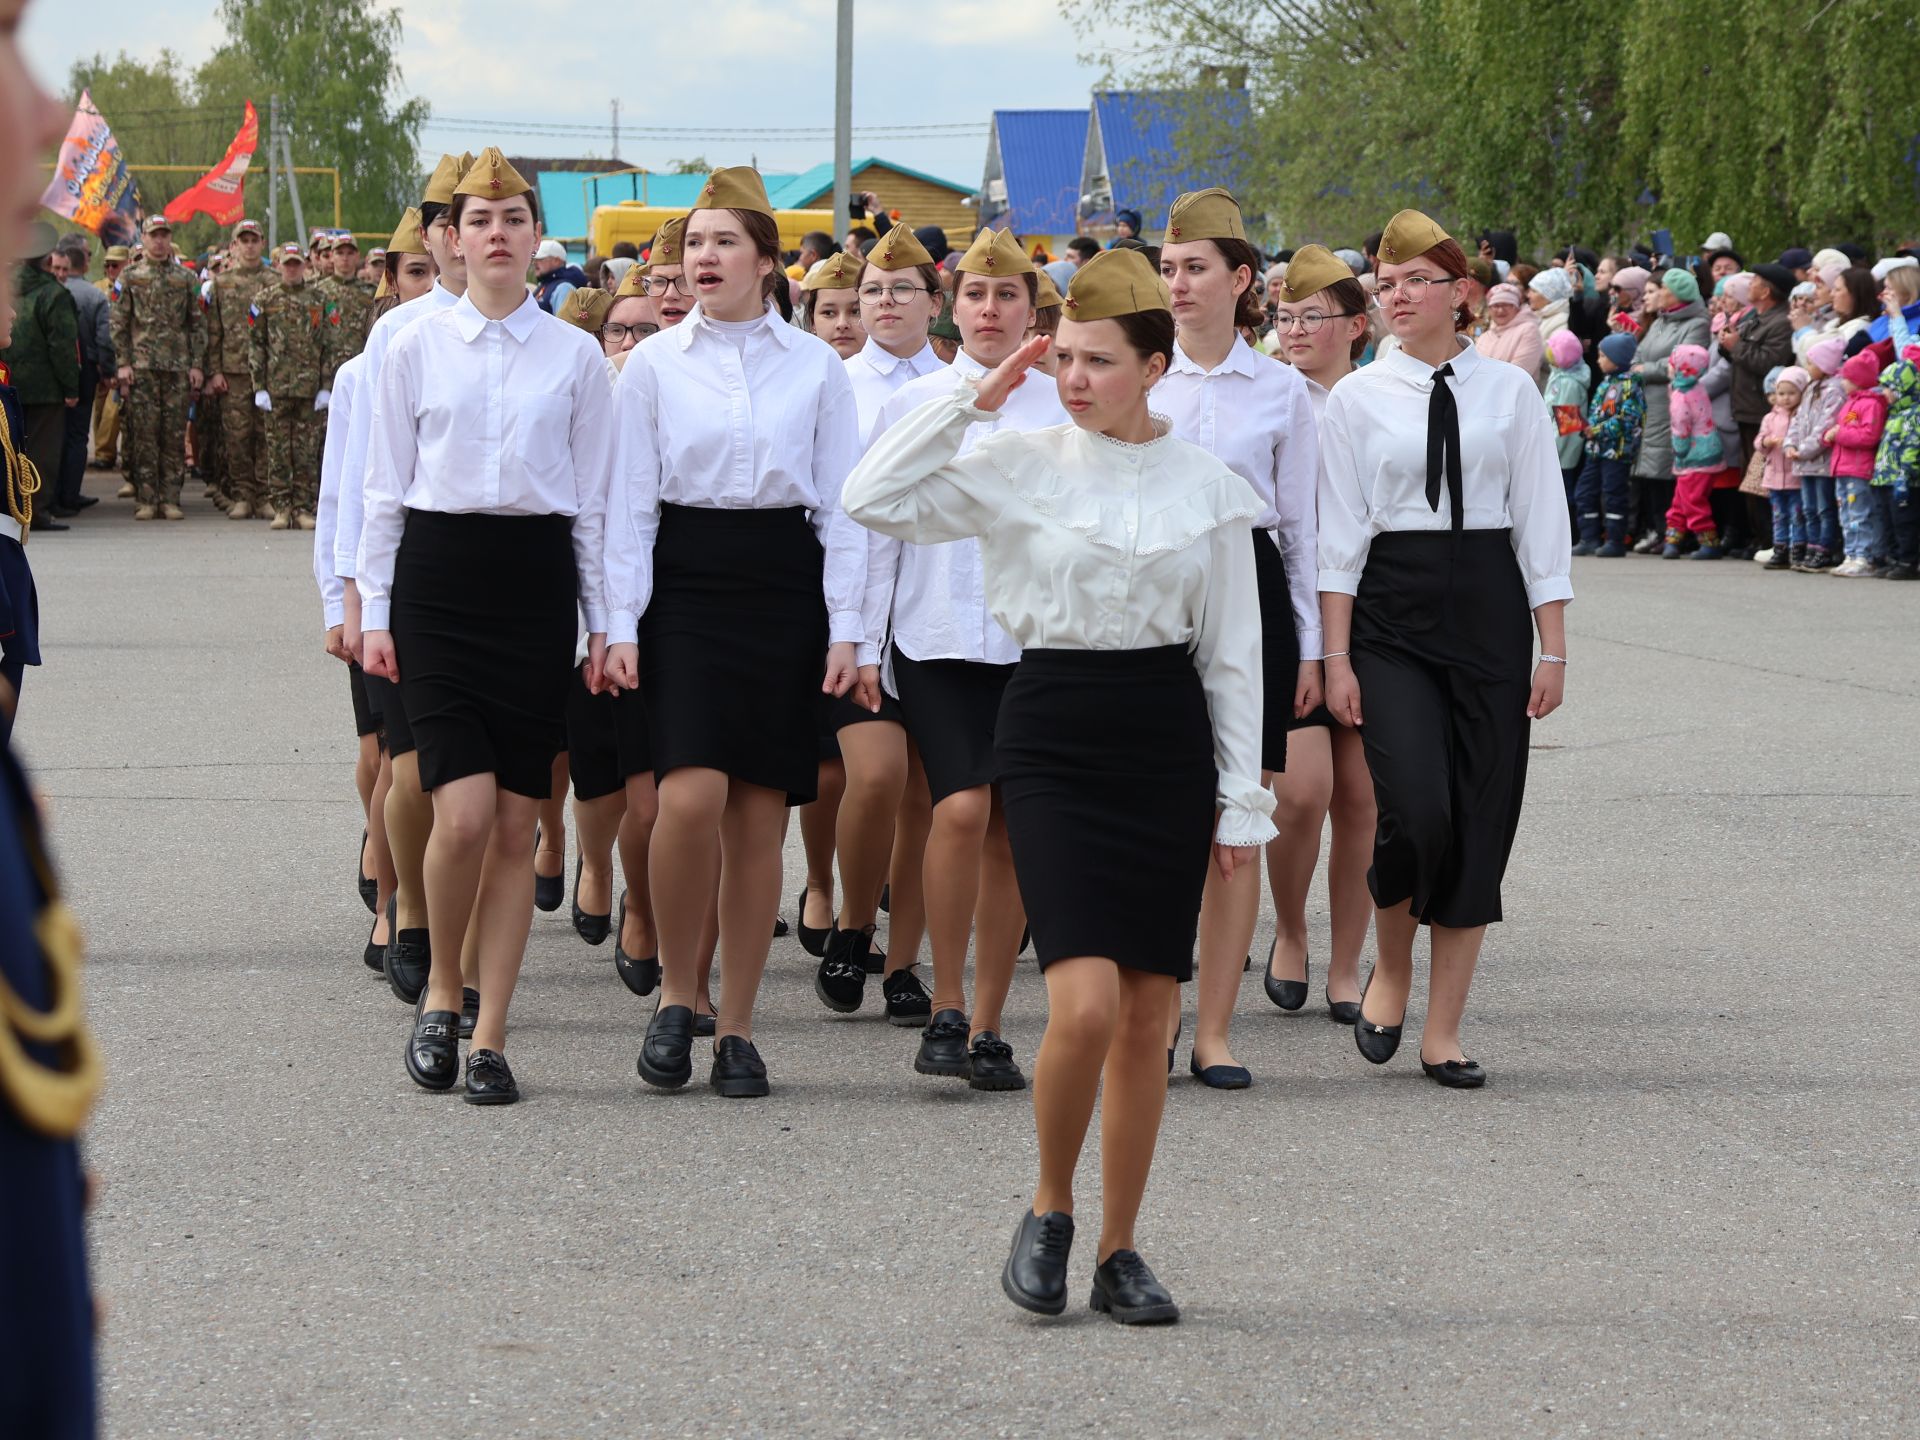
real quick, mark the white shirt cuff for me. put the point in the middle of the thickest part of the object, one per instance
(375, 614)
(1340, 582)
(844, 627)
(866, 654)
(623, 628)
(1554, 587)
(332, 613)
(1312, 647)
(596, 620)
(1246, 812)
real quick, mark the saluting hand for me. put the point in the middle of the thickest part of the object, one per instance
(1010, 374)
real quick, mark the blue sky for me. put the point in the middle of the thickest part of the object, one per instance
(743, 64)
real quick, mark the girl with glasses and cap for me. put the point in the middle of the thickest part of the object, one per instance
(736, 584)
(1120, 560)
(1443, 523)
(1256, 417)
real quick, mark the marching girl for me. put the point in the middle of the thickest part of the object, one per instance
(1321, 321)
(1121, 561)
(1253, 415)
(631, 319)
(736, 431)
(831, 308)
(948, 664)
(899, 294)
(491, 446)
(1443, 522)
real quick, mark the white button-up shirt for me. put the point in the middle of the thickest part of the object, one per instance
(342, 415)
(936, 594)
(876, 372)
(1253, 412)
(1091, 544)
(758, 419)
(353, 469)
(499, 417)
(1373, 470)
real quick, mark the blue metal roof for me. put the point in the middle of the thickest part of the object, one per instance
(1041, 154)
(1149, 162)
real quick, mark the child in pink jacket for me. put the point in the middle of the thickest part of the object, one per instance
(1696, 456)
(1854, 441)
(1785, 387)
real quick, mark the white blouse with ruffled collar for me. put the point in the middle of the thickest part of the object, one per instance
(1091, 544)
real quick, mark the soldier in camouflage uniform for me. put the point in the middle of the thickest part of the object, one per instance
(160, 337)
(243, 429)
(352, 299)
(292, 366)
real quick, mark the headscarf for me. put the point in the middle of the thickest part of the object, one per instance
(1552, 284)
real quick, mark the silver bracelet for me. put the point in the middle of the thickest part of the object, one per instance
(1336, 655)
(1546, 659)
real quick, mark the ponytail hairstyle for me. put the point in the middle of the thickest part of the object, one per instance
(1250, 308)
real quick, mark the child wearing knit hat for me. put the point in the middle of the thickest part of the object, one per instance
(1786, 387)
(1566, 397)
(1806, 444)
(1612, 440)
(1855, 441)
(1696, 457)
(1896, 468)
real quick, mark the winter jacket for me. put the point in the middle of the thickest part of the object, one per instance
(1517, 342)
(96, 324)
(1898, 457)
(1766, 340)
(1696, 444)
(1566, 397)
(1614, 417)
(552, 289)
(1683, 325)
(1778, 472)
(1718, 383)
(1819, 409)
(45, 354)
(1856, 443)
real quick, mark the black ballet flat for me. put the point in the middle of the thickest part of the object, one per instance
(1220, 1077)
(1342, 1012)
(1377, 1043)
(704, 1025)
(642, 977)
(1455, 1074)
(469, 1011)
(376, 955)
(886, 899)
(813, 941)
(369, 887)
(1289, 995)
(780, 931)
(590, 928)
(666, 1056)
(549, 890)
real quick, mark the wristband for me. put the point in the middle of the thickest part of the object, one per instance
(1546, 659)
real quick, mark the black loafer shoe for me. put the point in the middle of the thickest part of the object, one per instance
(704, 1025)
(642, 977)
(489, 1081)
(433, 1050)
(666, 1056)
(369, 887)
(1287, 994)
(1456, 1074)
(1220, 1077)
(549, 890)
(409, 957)
(907, 1000)
(841, 979)
(1124, 1288)
(943, 1047)
(1035, 1275)
(738, 1072)
(1342, 1012)
(813, 941)
(590, 928)
(990, 1064)
(469, 1011)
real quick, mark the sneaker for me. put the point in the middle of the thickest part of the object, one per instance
(841, 979)
(1851, 569)
(943, 1046)
(241, 510)
(282, 520)
(146, 512)
(990, 1064)
(1763, 557)
(1648, 544)
(172, 512)
(908, 1002)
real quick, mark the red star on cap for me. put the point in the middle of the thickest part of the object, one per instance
(494, 185)
(1174, 233)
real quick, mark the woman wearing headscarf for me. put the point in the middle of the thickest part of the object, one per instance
(1550, 293)
(1680, 318)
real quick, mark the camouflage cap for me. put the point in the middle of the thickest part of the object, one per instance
(156, 222)
(248, 227)
(289, 251)
(1115, 282)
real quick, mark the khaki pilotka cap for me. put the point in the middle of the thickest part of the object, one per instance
(1049, 295)
(836, 272)
(408, 238)
(995, 252)
(1210, 214)
(380, 291)
(668, 243)
(1116, 282)
(898, 249)
(1408, 236)
(492, 178)
(630, 288)
(1312, 269)
(736, 187)
(586, 307)
(445, 176)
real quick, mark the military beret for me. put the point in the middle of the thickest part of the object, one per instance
(1210, 214)
(1408, 236)
(1115, 282)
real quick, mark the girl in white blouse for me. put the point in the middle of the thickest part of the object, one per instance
(490, 450)
(1120, 561)
(1442, 524)
(1254, 415)
(735, 584)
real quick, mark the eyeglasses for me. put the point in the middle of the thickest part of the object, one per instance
(660, 284)
(615, 333)
(1308, 322)
(900, 292)
(1414, 287)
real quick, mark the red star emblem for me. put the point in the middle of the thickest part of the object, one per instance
(1174, 233)
(1072, 304)
(494, 185)
(990, 262)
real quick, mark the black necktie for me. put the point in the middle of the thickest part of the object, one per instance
(1443, 446)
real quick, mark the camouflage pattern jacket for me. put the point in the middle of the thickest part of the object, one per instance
(158, 322)
(290, 349)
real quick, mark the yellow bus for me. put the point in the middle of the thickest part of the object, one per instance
(633, 221)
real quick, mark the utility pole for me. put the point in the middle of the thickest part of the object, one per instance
(273, 173)
(843, 119)
(616, 131)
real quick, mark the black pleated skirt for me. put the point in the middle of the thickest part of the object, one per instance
(606, 738)
(365, 721)
(1443, 648)
(1107, 774)
(952, 710)
(484, 624)
(1279, 651)
(734, 644)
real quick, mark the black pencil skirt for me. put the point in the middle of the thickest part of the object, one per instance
(733, 646)
(383, 699)
(1279, 651)
(365, 721)
(1107, 775)
(952, 710)
(484, 625)
(1443, 648)
(606, 738)
(837, 712)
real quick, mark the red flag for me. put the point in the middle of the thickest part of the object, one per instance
(221, 191)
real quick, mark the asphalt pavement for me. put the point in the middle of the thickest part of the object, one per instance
(1685, 1205)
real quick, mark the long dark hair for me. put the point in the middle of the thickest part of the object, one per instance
(1857, 280)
